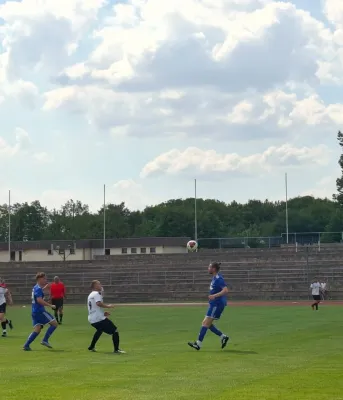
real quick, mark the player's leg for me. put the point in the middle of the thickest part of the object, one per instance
(206, 323)
(223, 338)
(317, 303)
(54, 303)
(3, 321)
(111, 329)
(37, 327)
(49, 320)
(99, 331)
(60, 311)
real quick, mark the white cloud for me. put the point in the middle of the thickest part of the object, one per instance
(43, 33)
(198, 112)
(244, 75)
(132, 193)
(324, 188)
(43, 158)
(21, 143)
(195, 161)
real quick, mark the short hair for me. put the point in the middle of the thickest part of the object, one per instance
(40, 275)
(56, 278)
(94, 283)
(216, 265)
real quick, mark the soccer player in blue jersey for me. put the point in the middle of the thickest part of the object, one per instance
(40, 316)
(217, 303)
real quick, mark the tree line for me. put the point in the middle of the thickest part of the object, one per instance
(216, 219)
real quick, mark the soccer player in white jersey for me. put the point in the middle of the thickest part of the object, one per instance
(98, 318)
(316, 289)
(5, 296)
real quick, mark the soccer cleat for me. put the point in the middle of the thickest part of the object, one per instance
(4, 334)
(46, 344)
(27, 348)
(119, 351)
(10, 324)
(194, 345)
(92, 349)
(225, 341)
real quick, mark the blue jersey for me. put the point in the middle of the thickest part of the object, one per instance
(217, 285)
(37, 292)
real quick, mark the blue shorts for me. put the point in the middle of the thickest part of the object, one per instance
(42, 318)
(215, 311)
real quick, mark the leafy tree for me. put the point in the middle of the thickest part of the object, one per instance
(339, 181)
(216, 219)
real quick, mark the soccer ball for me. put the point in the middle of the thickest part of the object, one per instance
(192, 245)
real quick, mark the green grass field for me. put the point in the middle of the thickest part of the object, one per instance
(276, 353)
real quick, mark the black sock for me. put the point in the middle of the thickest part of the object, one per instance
(96, 337)
(61, 317)
(7, 321)
(3, 325)
(56, 315)
(313, 304)
(115, 340)
(316, 306)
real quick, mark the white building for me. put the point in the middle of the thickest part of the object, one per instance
(83, 250)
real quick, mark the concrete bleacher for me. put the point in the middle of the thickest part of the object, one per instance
(253, 274)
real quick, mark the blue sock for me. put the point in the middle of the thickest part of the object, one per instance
(216, 331)
(49, 332)
(202, 333)
(31, 338)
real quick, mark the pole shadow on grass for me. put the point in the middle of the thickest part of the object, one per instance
(241, 352)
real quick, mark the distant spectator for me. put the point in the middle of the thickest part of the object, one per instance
(323, 290)
(316, 290)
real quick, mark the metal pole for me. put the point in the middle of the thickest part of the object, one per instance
(104, 219)
(286, 188)
(9, 225)
(195, 212)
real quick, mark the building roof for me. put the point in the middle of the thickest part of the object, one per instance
(97, 243)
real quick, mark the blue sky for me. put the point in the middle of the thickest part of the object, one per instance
(146, 95)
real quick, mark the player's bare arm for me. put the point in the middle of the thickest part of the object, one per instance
(102, 305)
(44, 303)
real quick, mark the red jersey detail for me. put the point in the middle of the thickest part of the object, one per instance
(57, 290)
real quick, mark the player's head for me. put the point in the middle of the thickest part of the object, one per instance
(214, 268)
(96, 285)
(56, 279)
(41, 278)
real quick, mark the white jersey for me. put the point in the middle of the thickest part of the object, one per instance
(3, 292)
(315, 288)
(323, 285)
(95, 313)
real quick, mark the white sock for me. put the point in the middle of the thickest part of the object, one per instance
(222, 336)
(199, 343)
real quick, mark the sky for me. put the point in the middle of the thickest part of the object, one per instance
(145, 96)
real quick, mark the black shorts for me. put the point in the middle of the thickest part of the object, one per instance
(316, 297)
(3, 308)
(106, 326)
(58, 303)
